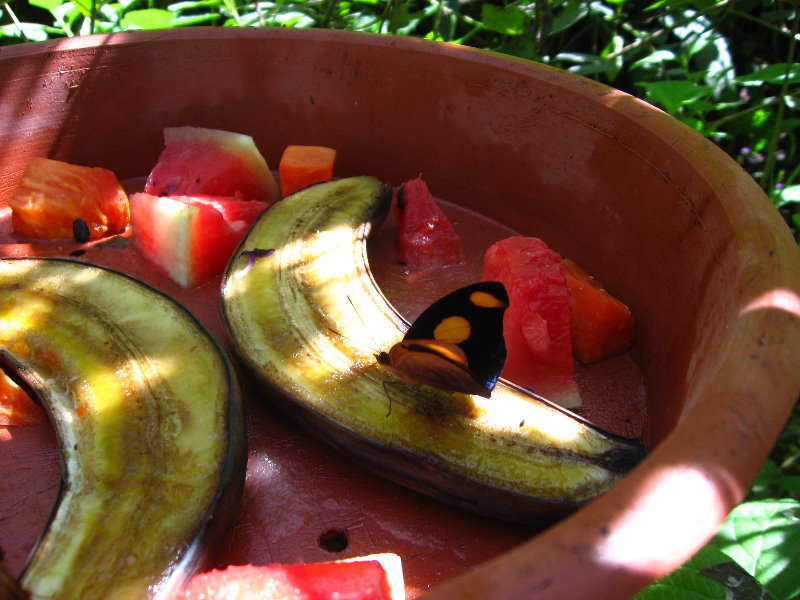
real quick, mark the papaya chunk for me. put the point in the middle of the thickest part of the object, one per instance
(52, 194)
(600, 324)
(301, 166)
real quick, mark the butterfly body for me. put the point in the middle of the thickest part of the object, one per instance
(456, 344)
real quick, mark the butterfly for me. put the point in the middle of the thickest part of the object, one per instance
(456, 344)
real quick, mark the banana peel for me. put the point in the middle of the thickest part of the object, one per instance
(149, 423)
(306, 316)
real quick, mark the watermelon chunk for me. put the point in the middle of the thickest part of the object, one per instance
(536, 324)
(366, 578)
(190, 238)
(211, 162)
(425, 236)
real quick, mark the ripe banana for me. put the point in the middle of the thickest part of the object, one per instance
(306, 315)
(149, 423)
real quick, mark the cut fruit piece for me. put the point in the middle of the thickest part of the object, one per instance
(16, 407)
(425, 236)
(52, 194)
(537, 322)
(190, 238)
(302, 166)
(377, 577)
(211, 162)
(600, 325)
(149, 424)
(304, 313)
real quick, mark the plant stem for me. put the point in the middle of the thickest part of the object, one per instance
(649, 38)
(15, 20)
(767, 177)
(326, 20)
(713, 125)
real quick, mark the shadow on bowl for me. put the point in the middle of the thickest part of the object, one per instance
(663, 217)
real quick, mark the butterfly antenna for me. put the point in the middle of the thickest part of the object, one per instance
(364, 326)
(385, 391)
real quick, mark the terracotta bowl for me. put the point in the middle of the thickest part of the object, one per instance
(663, 217)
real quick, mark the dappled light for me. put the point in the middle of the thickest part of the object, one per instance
(783, 299)
(309, 318)
(140, 403)
(37, 111)
(680, 489)
(642, 200)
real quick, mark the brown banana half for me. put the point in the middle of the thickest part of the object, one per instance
(149, 423)
(305, 314)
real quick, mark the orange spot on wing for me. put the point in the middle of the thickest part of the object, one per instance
(452, 330)
(486, 300)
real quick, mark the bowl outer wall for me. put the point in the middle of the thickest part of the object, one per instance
(669, 222)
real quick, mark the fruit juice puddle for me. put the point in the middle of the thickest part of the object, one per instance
(612, 390)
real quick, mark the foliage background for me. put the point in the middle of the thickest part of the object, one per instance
(727, 68)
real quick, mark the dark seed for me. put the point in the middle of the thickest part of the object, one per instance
(80, 230)
(401, 198)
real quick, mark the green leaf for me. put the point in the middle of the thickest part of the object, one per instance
(655, 58)
(775, 74)
(674, 94)
(521, 46)
(573, 13)
(148, 18)
(790, 193)
(508, 19)
(32, 32)
(790, 483)
(764, 538)
(87, 6)
(739, 584)
(689, 582)
(201, 19)
(48, 5)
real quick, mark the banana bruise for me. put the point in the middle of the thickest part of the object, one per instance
(305, 314)
(149, 423)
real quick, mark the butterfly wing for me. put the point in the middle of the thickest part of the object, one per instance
(470, 318)
(441, 365)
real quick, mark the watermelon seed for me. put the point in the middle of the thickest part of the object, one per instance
(401, 198)
(333, 540)
(80, 231)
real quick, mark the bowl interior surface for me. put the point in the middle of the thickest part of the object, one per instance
(669, 223)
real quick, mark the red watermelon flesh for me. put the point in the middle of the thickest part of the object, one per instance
(536, 324)
(213, 162)
(346, 580)
(425, 236)
(190, 239)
